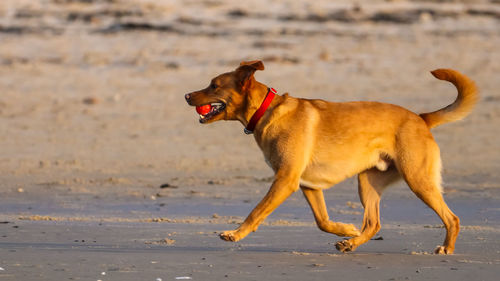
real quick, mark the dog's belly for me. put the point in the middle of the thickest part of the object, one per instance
(316, 184)
(324, 174)
(323, 178)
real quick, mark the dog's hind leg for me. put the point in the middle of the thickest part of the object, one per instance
(317, 202)
(371, 184)
(420, 166)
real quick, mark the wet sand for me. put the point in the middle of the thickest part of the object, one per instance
(146, 239)
(134, 251)
(104, 168)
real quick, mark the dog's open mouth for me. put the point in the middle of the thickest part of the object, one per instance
(208, 111)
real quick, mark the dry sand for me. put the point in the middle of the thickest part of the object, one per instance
(97, 143)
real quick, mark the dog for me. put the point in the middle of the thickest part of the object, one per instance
(313, 144)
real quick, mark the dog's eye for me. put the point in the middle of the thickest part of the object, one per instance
(213, 86)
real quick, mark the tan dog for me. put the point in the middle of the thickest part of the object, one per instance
(314, 144)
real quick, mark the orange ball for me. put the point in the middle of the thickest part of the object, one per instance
(204, 109)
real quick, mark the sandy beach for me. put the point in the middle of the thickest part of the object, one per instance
(106, 173)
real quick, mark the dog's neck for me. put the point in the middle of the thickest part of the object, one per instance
(271, 93)
(256, 94)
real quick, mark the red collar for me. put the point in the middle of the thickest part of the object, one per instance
(260, 112)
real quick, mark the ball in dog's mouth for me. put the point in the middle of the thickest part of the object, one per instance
(204, 109)
(208, 111)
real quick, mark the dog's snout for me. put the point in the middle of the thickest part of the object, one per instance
(187, 97)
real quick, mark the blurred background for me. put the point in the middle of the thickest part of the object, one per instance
(106, 173)
(91, 91)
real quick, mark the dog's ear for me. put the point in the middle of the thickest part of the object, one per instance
(246, 70)
(257, 64)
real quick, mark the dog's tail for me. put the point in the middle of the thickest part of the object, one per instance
(467, 97)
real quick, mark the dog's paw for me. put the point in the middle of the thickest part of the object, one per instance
(344, 246)
(442, 250)
(230, 236)
(349, 230)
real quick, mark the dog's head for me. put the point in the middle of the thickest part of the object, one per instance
(225, 98)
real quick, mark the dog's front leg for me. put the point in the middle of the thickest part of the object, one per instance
(282, 187)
